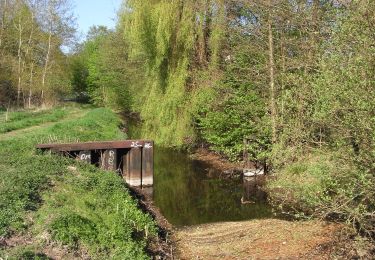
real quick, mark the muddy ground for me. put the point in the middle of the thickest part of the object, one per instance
(256, 239)
(227, 168)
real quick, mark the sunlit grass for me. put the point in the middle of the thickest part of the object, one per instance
(80, 208)
(20, 120)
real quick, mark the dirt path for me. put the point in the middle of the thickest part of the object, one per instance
(73, 115)
(256, 239)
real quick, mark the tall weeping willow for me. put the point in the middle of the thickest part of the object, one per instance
(173, 39)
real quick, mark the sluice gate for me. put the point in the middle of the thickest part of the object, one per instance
(133, 159)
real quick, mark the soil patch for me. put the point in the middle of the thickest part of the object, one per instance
(26, 246)
(256, 239)
(216, 161)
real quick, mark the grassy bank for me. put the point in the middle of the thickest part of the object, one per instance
(65, 205)
(20, 120)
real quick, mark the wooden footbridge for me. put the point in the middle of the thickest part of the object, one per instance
(133, 159)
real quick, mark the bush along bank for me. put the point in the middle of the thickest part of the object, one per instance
(65, 204)
(323, 185)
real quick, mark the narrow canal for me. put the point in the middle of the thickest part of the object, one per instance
(190, 192)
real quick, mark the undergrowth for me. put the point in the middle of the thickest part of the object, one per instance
(323, 185)
(63, 202)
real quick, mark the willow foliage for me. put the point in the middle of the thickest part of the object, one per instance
(173, 38)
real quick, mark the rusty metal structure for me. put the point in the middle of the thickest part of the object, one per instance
(133, 159)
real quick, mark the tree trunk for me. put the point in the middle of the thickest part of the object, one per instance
(31, 84)
(46, 66)
(19, 61)
(29, 41)
(206, 31)
(283, 72)
(314, 33)
(7, 112)
(3, 23)
(271, 72)
(29, 53)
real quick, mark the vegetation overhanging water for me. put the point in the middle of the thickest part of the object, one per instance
(190, 192)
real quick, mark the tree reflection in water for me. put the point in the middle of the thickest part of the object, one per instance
(189, 192)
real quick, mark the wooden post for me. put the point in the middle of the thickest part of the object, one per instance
(135, 166)
(108, 160)
(84, 156)
(126, 166)
(148, 164)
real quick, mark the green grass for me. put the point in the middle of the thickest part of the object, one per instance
(20, 120)
(84, 209)
(324, 185)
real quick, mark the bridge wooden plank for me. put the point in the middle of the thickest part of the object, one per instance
(148, 164)
(125, 167)
(94, 145)
(84, 156)
(135, 157)
(135, 167)
(109, 160)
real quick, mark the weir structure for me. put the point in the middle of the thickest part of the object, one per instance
(133, 159)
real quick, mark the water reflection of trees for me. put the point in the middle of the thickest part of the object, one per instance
(186, 195)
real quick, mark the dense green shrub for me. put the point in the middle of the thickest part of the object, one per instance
(232, 118)
(100, 69)
(71, 228)
(325, 186)
(236, 107)
(325, 164)
(95, 211)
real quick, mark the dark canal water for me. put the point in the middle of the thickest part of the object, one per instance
(189, 192)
